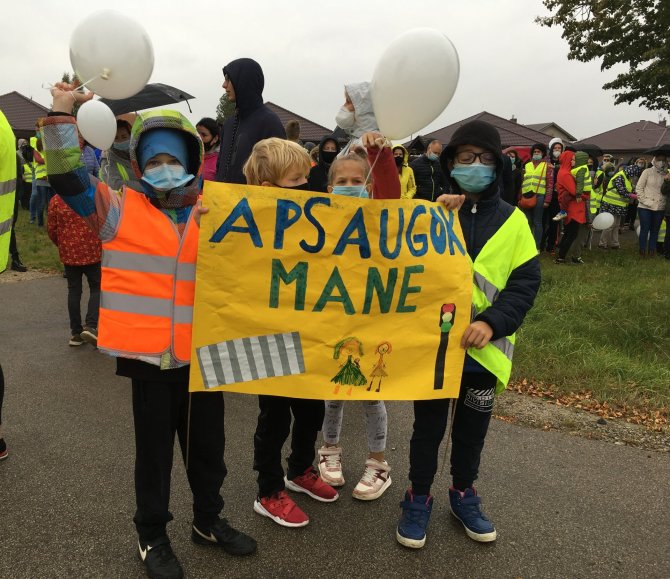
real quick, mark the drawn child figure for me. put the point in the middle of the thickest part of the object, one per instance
(350, 372)
(277, 162)
(349, 176)
(379, 371)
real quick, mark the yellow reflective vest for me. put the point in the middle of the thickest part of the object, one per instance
(511, 246)
(588, 184)
(7, 187)
(612, 196)
(534, 178)
(597, 194)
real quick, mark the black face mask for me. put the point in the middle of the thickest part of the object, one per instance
(303, 187)
(328, 156)
(209, 146)
(398, 161)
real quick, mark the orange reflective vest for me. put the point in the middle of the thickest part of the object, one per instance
(148, 283)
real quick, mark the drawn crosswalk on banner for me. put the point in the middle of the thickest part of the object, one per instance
(246, 359)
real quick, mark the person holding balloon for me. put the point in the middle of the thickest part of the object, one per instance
(149, 239)
(505, 282)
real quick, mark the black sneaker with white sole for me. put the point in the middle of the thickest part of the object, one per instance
(76, 340)
(159, 560)
(221, 534)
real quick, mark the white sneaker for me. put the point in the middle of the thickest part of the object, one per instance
(374, 482)
(330, 465)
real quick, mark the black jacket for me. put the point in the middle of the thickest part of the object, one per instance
(318, 175)
(252, 122)
(481, 216)
(429, 177)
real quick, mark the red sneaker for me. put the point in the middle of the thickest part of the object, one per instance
(312, 484)
(281, 509)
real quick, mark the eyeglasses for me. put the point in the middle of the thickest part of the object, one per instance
(468, 157)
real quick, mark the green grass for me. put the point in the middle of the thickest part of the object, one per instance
(602, 327)
(34, 245)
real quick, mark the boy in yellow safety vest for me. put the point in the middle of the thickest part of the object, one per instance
(505, 282)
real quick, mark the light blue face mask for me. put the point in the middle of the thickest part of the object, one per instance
(166, 177)
(432, 156)
(474, 178)
(351, 190)
(123, 146)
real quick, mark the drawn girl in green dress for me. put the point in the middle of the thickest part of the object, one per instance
(350, 372)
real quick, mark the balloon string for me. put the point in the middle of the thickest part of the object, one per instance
(49, 86)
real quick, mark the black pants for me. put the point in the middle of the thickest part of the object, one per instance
(13, 250)
(550, 227)
(74, 274)
(161, 409)
(274, 425)
(570, 232)
(471, 423)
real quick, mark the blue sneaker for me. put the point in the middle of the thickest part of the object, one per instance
(411, 531)
(465, 507)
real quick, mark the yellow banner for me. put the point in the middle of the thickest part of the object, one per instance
(320, 296)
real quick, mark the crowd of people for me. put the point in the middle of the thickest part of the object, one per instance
(129, 224)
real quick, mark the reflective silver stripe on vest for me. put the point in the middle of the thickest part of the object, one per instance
(505, 346)
(5, 226)
(129, 261)
(145, 306)
(490, 291)
(7, 186)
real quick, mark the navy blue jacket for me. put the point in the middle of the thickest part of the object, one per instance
(252, 122)
(429, 177)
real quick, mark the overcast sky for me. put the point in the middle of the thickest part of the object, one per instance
(309, 50)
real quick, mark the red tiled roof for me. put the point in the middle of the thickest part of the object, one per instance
(21, 112)
(638, 136)
(511, 133)
(309, 131)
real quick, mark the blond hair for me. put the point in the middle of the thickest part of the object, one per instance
(349, 157)
(272, 159)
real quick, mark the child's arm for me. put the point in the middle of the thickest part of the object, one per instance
(95, 202)
(579, 182)
(385, 179)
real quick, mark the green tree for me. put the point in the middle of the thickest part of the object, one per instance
(628, 32)
(225, 109)
(70, 78)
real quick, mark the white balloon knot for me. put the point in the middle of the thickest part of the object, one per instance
(105, 74)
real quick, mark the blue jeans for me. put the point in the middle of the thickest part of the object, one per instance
(38, 203)
(650, 225)
(534, 217)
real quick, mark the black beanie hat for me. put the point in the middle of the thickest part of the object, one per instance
(541, 147)
(478, 133)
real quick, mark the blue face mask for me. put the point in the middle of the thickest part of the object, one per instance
(474, 178)
(350, 190)
(166, 177)
(432, 156)
(123, 146)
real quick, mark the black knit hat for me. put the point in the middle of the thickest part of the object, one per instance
(478, 133)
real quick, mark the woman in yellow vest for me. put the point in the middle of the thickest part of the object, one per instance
(537, 180)
(505, 282)
(149, 239)
(618, 194)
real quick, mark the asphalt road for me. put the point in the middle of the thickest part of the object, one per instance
(563, 506)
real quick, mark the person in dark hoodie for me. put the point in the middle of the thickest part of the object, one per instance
(506, 281)
(149, 241)
(329, 148)
(252, 121)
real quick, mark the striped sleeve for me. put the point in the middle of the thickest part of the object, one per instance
(95, 202)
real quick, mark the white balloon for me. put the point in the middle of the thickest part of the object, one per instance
(414, 81)
(114, 50)
(603, 221)
(97, 124)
